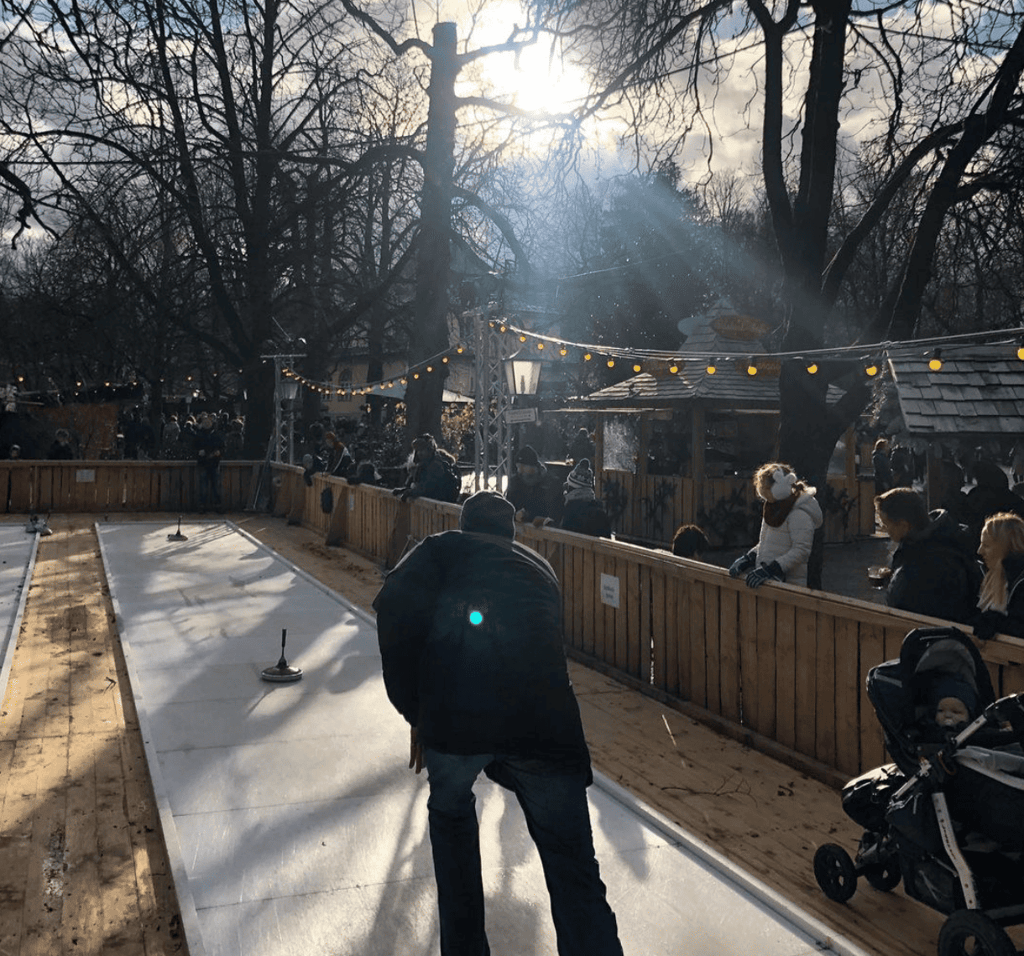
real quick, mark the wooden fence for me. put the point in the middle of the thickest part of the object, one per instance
(105, 486)
(783, 667)
(649, 508)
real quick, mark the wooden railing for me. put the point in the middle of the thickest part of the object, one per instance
(104, 486)
(781, 665)
(649, 508)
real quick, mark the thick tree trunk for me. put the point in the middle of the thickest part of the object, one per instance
(430, 332)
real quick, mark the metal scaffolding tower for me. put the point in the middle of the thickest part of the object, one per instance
(492, 438)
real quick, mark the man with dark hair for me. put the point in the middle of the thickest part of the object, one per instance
(933, 569)
(532, 492)
(470, 631)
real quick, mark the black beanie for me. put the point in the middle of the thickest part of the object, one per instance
(528, 456)
(489, 513)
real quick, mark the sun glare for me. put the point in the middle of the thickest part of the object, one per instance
(536, 80)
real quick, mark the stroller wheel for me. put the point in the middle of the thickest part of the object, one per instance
(834, 871)
(883, 876)
(972, 933)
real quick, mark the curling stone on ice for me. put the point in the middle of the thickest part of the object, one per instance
(282, 672)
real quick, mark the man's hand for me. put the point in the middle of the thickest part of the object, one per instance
(415, 751)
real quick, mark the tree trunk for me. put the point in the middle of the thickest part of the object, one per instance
(430, 331)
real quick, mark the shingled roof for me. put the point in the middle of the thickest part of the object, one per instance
(716, 333)
(979, 391)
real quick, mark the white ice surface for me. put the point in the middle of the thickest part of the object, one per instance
(295, 828)
(17, 556)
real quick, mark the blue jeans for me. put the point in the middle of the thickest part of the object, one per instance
(558, 818)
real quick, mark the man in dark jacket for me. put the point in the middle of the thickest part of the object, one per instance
(933, 570)
(531, 489)
(470, 634)
(430, 471)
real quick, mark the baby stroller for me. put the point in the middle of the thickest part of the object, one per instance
(947, 817)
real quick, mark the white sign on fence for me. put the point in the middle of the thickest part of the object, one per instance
(610, 590)
(83, 475)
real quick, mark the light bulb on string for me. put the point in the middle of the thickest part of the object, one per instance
(674, 368)
(751, 366)
(587, 356)
(812, 367)
(637, 367)
(712, 366)
(935, 362)
(540, 346)
(1020, 350)
(871, 367)
(610, 363)
(563, 351)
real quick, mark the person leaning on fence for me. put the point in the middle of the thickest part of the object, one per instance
(469, 625)
(430, 472)
(532, 491)
(789, 518)
(881, 466)
(933, 570)
(1001, 602)
(582, 512)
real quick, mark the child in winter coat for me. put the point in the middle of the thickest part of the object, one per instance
(788, 522)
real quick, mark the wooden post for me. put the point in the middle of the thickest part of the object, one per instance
(337, 528)
(697, 463)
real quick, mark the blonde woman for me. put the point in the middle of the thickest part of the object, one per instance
(788, 522)
(1002, 590)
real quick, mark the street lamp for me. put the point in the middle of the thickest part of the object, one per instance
(522, 374)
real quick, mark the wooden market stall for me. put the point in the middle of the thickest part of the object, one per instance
(680, 440)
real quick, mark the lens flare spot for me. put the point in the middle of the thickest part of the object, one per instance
(476, 618)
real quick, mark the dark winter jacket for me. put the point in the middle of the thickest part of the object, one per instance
(1011, 622)
(209, 448)
(586, 516)
(429, 479)
(470, 634)
(935, 573)
(537, 496)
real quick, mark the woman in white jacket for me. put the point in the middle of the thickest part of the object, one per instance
(788, 521)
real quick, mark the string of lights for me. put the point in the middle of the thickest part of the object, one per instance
(873, 357)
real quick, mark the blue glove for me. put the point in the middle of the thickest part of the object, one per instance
(743, 563)
(767, 572)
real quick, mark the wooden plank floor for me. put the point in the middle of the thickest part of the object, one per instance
(82, 864)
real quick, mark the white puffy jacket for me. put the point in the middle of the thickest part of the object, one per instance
(790, 543)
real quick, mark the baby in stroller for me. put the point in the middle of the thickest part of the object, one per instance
(947, 817)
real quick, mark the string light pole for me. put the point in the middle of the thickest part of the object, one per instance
(285, 390)
(492, 435)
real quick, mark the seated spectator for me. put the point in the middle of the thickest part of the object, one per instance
(1001, 603)
(583, 513)
(531, 490)
(689, 542)
(933, 570)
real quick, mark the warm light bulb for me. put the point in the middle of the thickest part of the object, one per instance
(587, 357)
(812, 369)
(674, 369)
(563, 351)
(1020, 353)
(540, 346)
(872, 369)
(712, 368)
(637, 367)
(611, 363)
